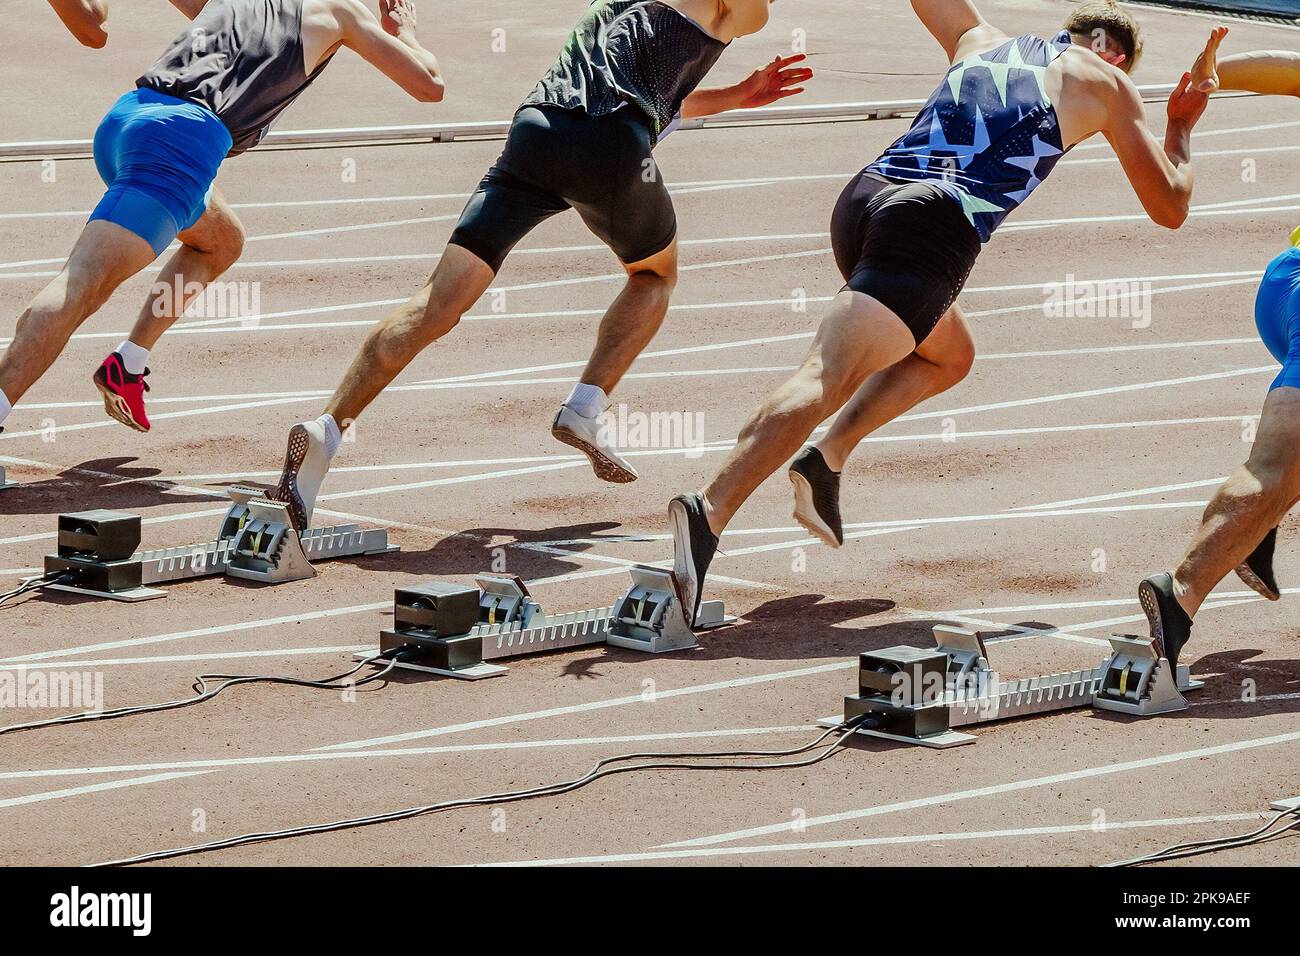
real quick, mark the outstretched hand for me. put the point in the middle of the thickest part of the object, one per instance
(397, 16)
(1205, 72)
(773, 82)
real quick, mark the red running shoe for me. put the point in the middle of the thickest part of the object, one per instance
(123, 393)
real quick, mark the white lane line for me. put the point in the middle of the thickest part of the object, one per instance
(1079, 605)
(227, 762)
(1196, 213)
(1090, 393)
(722, 446)
(1018, 833)
(637, 698)
(1013, 786)
(1135, 493)
(95, 788)
(197, 632)
(432, 257)
(70, 663)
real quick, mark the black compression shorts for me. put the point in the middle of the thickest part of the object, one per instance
(556, 159)
(906, 244)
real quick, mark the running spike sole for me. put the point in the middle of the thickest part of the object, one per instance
(1253, 581)
(605, 469)
(805, 510)
(1151, 608)
(114, 405)
(287, 490)
(684, 583)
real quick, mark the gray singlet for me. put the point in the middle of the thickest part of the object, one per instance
(243, 60)
(638, 52)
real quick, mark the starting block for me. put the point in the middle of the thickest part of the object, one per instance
(4, 482)
(255, 542)
(457, 631)
(1137, 681)
(920, 697)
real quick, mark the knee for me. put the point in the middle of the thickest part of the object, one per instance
(230, 245)
(957, 364)
(663, 277)
(1275, 472)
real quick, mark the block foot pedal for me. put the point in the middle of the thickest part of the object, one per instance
(1136, 681)
(4, 482)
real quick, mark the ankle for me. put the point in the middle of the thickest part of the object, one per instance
(717, 523)
(1187, 600)
(834, 460)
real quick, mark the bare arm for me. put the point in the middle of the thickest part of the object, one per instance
(1265, 71)
(762, 87)
(389, 44)
(190, 8)
(1161, 177)
(949, 22)
(84, 19)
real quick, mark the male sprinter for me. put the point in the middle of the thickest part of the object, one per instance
(85, 20)
(583, 139)
(1239, 529)
(907, 231)
(214, 93)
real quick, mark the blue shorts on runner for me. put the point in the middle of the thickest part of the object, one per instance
(1277, 315)
(159, 156)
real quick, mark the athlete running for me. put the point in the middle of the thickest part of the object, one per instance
(583, 139)
(85, 20)
(1239, 529)
(906, 233)
(214, 93)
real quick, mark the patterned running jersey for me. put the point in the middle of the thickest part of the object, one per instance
(989, 135)
(639, 52)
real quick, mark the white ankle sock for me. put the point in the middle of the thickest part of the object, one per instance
(5, 408)
(333, 437)
(133, 357)
(589, 401)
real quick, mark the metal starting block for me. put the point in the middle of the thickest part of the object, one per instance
(431, 623)
(4, 482)
(1136, 681)
(919, 697)
(255, 542)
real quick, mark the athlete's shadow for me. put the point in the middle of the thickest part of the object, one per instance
(808, 627)
(109, 483)
(527, 554)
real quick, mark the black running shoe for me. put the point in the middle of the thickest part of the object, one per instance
(817, 496)
(1171, 628)
(694, 545)
(1257, 570)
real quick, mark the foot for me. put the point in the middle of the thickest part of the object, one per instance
(586, 435)
(306, 463)
(817, 496)
(694, 545)
(123, 393)
(1257, 570)
(1171, 628)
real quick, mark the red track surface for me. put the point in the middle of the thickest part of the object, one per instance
(1088, 415)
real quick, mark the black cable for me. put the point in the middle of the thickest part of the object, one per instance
(1198, 847)
(598, 771)
(206, 693)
